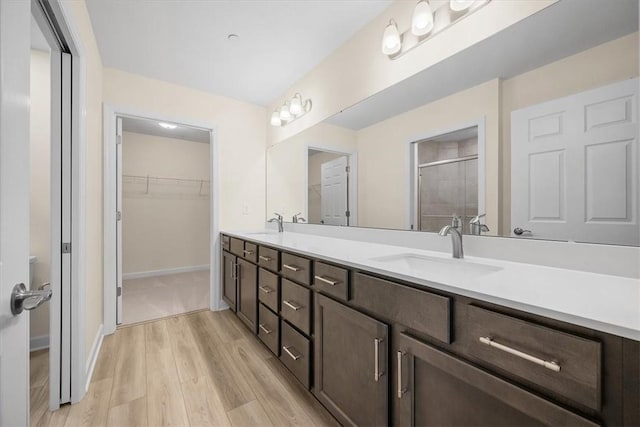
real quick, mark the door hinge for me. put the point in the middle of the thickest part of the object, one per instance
(66, 248)
(347, 214)
(347, 169)
(118, 216)
(119, 291)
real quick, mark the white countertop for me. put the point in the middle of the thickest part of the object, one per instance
(605, 303)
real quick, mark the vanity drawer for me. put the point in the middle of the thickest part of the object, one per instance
(296, 268)
(557, 361)
(419, 310)
(268, 258)
(250, 252)
(295, 353)
(268, 289)
(296, 305)
(269, 329)
(226, 243)
(236, 246)
(331, 280)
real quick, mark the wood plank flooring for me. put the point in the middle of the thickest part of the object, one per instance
(197, 369)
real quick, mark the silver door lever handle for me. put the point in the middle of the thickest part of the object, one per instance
(22, 299)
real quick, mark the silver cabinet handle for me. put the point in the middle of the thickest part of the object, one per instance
(291, 305)
(327, 281)
(266, 331)
(233, 270)
(549, 365)
(401, 390)
(264, 258)
(266, 289)
(290, 353)
(22, 299)
(246, 252)
(291, 267)
(376, 357)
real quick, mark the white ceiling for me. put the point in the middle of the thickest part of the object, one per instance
(560, 30)
(38, 40)
(152, 127)
(185, 42)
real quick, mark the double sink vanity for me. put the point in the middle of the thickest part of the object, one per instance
(388, 335)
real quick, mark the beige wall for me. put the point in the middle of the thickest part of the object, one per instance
(240, 135)
(286, 166)
(79, 16)
(383, 169)
(608, 63)
(168, 227)
(358, 69)
(40, 186)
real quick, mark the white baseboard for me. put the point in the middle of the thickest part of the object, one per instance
(39, 343)
(93, 358)
(164, 272)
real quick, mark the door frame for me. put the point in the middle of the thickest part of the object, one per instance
(110, 114)
(352, 186)
(411, 160)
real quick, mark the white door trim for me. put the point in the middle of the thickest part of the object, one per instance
(109, 214)
(352, 157)
(411, 177)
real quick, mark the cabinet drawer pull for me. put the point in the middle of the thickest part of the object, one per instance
(327, 281)
(401, 390)
(291, 267)
(376, 357)
(265, 258)
(290, 353)
(291, 305)
(266, 331)
(549, 365)
(246, 252)
(266, 289)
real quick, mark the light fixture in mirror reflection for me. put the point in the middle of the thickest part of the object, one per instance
(556, 155)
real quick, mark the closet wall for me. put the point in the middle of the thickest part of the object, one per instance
(165, 224)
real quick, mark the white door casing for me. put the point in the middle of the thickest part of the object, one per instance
(575, 167)
(334, 191)
(119, 272)
(15, 24)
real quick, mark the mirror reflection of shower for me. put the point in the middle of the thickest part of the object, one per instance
(448, 179)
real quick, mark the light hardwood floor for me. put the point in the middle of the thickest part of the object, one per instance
(198, 369)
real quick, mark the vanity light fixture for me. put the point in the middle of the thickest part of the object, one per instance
(167, 125)
(429, 18)
(291, 110)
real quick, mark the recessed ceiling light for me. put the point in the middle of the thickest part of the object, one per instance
(233, 37)
(167, 125)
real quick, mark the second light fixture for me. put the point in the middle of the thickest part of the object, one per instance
(294, 108)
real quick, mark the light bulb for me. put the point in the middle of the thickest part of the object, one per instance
(167, 125)
(285, 114)
(460, 5)
(295, 107)
(275, 119)
(391, 43)
(422, 21)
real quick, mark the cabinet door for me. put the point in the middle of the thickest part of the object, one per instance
(433, 388)
(248, 294)
(229, 279)
(351, 377)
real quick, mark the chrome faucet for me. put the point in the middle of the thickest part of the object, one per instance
(278, 219)
(298, 218)
(477, 227)
(456, 236)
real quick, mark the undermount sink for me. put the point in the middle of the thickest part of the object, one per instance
(436, 265)
(262, 233)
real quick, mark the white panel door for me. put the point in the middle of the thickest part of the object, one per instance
(575, 167)
(15, 24)
(334, 191)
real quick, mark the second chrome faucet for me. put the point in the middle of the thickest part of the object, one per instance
(278, 218)
(455, 230)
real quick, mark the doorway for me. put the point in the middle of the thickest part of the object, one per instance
(164, 211)
(161, 251)
(331, 187)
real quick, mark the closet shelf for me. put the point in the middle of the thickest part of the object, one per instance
(143, 184)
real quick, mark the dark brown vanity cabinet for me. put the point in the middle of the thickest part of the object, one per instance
(434, 388)
(247, 302)
(229, 283)
(351, 364)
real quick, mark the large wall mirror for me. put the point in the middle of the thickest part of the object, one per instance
(532, 133)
